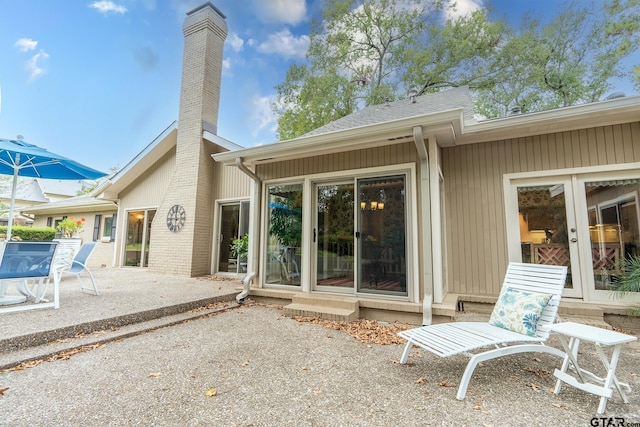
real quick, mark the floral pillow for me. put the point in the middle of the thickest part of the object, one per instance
(519, 311)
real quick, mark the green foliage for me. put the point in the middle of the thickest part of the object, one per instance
(630, 280)
(363, 52)
(70, 226)
(28, 233)
(240, 247)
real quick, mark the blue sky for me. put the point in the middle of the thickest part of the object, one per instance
(97, 80)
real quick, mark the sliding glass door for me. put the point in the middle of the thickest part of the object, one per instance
(359, 236)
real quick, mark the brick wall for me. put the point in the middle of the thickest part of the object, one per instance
(188, 251)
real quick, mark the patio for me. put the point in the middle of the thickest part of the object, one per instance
(260, 368)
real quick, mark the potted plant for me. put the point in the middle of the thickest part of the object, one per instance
(240, 250)
(70, 227)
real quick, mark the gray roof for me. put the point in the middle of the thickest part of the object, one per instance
(28, 189)
(405, 108)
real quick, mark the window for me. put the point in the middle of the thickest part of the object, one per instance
(107, 228)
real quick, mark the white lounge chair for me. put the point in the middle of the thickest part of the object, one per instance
(79, 264)
(528, 302)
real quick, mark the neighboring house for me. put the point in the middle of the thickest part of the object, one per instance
(403, 211)
(34, 191)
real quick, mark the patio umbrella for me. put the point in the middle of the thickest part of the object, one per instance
(21, 158)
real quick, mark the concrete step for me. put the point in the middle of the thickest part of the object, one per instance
(330, 307)
(337, 314)
(10, 358)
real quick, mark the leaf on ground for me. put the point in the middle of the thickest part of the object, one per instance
(477, 406)
(304, 368)
(329, 336)
(557, 405)
(317, 392)
(211, 392)
(533, 386)
(445, 384)
(155, 374)
(537, 359)
(542, 373)
(246, 363)
(364, 330)
(2, 390)
(394, 361)
(420, 380)
(514, 377)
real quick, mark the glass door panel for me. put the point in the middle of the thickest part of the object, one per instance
(614, 228)
(333, 235)
(229, 230)
(284, 238)
(381, 243)
(138, 237)
(544, 212)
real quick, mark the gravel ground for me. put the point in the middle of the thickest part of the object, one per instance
(265, 369)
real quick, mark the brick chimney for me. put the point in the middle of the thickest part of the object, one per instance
(187, 251)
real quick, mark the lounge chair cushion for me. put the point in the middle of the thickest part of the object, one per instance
(519, 311)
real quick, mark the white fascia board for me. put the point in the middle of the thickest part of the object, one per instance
(61, 207)
(379, 134)
(143, 160)
(221, 142)
(604, 113)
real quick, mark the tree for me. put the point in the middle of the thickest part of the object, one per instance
(363, 52)
(571, 60)
(355, 56)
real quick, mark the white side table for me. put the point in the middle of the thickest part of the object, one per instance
(585, 380)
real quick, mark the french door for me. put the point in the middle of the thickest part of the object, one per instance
(547, 226)
(589, 222)
(359, 236)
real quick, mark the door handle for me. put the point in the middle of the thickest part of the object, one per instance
(573, 240)
(357, 234)
(314, 235)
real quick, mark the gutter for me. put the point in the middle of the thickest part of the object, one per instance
(425, 208)
(253, 231)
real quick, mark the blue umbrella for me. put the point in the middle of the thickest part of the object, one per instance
(21, 158)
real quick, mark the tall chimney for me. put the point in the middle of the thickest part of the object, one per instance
(205, 31)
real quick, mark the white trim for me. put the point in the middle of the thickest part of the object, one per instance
(215, 244)
(578, 178)
(619, 167)
(308, 181)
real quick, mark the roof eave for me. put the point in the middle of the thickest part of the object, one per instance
(444, 125)
(596, 114)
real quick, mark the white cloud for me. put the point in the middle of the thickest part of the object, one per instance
(262, 116)
(25, 45)
(461, 8)
(286, 44)
(34, 66)
(226, 67)
(106, 6)
(281, 11)
(235, 42)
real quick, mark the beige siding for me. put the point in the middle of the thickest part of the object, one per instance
(146, 192)
(149, 190)
(371, 157)
(230, 182)
(476, 240)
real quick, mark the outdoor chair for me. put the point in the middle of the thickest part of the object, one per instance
(527, 304)
(24, 262)
(79, 264)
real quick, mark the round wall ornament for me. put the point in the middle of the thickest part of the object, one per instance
(175, 218)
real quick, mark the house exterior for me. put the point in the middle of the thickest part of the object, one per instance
(403, 211)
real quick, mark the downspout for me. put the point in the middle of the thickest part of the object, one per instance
(253, 230)
(425, 209)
